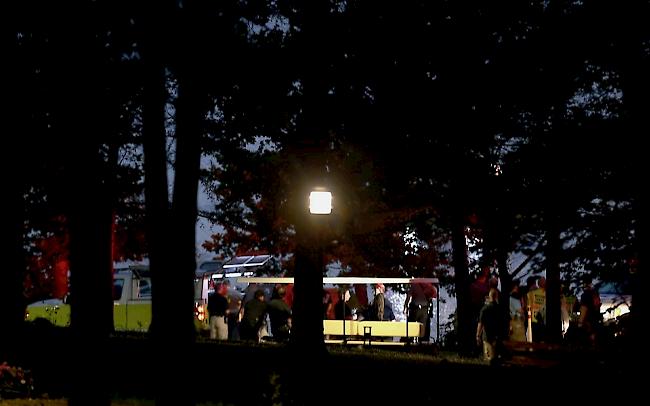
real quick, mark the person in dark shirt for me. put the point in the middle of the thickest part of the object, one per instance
(280, 315)
(253, 317)
(328, 305)
(378, 304)
(417, 304)
(490, 326)
(342, 309)
(590, 320)
(218, 311)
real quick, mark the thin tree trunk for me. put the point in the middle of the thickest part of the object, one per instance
(464, 322)
(176, 284)
(553, 320)
(184, 208)
(155, 161)
(12, 303)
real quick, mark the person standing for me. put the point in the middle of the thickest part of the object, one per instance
(416, 305)
(328, 305)
(280, 315)
(490, 327)
(590, 320)
(517, 314)
(536, 307)
(378, 303)
(218, 311)
(342, 309)
(478, 291)
(253, 318)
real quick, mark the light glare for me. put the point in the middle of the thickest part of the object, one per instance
(320, 202)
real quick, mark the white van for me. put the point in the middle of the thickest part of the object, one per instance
(211, 273)
(615, 300)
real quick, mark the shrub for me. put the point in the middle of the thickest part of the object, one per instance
(15, 382)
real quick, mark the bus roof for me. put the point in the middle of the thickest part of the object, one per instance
(246, 261)
(340, 280)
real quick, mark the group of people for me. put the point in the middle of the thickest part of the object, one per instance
(230, 320)
(351, 303)
(524, 318)
(355, 306)
(497, 321)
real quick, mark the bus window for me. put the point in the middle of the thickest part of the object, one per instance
(144, 289)
(118, 285)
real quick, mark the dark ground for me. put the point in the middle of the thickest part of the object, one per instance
(242, 374)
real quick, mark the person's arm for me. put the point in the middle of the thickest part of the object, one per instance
(380, 307)
(479, 332)
(241, 313)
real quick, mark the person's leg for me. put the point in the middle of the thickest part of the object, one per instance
(213, 327)
(222, 328)
(233, 326)
(489, 350)
(423, 317)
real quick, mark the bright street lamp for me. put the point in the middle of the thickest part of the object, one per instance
(311, 237)
(320, 202)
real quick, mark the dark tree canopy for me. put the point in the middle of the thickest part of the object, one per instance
(518, 124)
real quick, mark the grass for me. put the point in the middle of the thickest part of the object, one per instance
(267, 373)
(64, 402)
(34, 402)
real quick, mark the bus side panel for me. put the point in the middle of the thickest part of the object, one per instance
(119, 316)
(139, 316)
(62, 317)
(58, 315)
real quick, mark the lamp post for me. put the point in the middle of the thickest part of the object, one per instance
(320, 205)
(307, 310)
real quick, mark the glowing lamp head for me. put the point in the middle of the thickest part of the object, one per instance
(320, 202)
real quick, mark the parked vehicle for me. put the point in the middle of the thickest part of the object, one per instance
(132, 294)
(615, 300)
(212, 273)
(131, 302)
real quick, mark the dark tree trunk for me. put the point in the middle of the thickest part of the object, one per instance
(307, 331)
(553, 321)
(90, 218)
(497, 241)
(171, 229)
(308, 342)
(640, 273)
(12, 304)
(309, 263)
(87, 125)
(464, 322)
(184, 210)
(504, 274)
(175, 331)
(91, 287)
(636, 86)
(155, 161)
